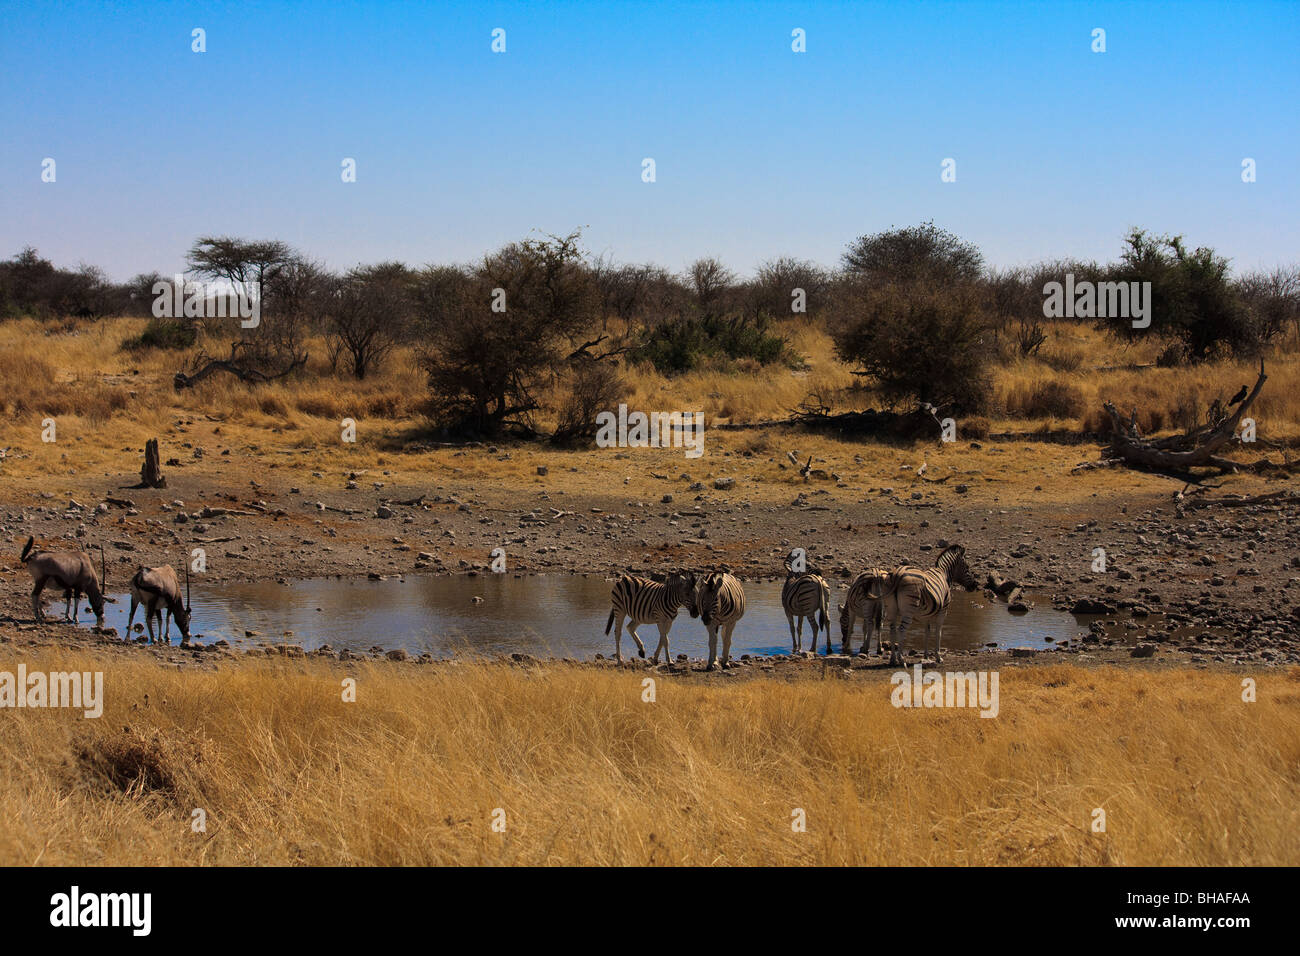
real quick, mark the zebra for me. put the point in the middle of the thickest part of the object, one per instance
(721, 602)
(923, 594)
(643, 601)
(865, 600)
(805, 594)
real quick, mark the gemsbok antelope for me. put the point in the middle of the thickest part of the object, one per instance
(923, 594)
(158, 590)
(866, 602)
(721, 601)
(643, 601)
(74, 572)
(805, 595)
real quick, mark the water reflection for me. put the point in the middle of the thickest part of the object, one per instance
(543, 615)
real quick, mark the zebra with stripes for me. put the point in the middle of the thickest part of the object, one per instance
(721, 601)
(805, 595)
(923, 594)
(643, 601)
(865, 602)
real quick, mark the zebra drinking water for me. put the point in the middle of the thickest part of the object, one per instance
(923, 594)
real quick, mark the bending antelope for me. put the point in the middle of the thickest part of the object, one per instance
(865, 601)
(805, 594)
(643, 601)
(721, 601)
(157, 589)
(74, 572)
(923, 594)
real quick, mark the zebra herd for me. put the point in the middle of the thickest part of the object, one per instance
(902, 596)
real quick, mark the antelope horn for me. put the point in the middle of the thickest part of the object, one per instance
(188, 603)
(103, 571)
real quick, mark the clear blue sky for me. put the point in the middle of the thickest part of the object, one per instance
(760, 151)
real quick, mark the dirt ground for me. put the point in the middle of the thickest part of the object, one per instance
(1172, 565)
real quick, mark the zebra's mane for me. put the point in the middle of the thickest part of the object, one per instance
(949, 557)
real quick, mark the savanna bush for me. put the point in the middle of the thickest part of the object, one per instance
(916, 343)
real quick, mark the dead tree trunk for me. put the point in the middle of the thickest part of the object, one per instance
(1197, 448)
(151, 475)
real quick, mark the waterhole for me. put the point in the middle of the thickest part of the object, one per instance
(543, 615)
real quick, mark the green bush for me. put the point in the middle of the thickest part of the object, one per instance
(916, 345)
(688, 342)
(163, 334)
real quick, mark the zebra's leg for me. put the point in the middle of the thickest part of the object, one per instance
(618, 638)
(726, 642)
(148, 621)
(663, 644)
(713, 647)
(868, 628)
(938, 635)
(631, 629)
(898, 638)
(794, 641)
(846, 642)
(167, 630)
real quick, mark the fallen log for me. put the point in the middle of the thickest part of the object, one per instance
(1196, 448)
(1243, 502)
(238, 368)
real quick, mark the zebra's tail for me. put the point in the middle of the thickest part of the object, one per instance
(822, 617)
(880, 615)
(610, 622)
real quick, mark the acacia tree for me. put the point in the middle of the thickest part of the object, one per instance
(275, 343)
(369, 314)
(1273, 298)
(916, 344)
(923, 254)
(487, 368)
(772, 291)
(713, 284)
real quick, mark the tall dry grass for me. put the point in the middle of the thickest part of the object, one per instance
(586, 772)
(81, 376)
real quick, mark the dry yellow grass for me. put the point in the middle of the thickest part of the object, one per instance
(83, 376)
(586, 772)
(107, 403)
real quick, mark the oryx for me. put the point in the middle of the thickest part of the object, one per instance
(74, 572)
(158, 590)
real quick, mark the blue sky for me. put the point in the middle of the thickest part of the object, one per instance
(759, 151)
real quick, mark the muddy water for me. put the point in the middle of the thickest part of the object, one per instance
(543, 615)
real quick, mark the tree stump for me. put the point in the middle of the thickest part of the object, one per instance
(151, 475)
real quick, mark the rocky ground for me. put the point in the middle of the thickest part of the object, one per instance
(1194, 581)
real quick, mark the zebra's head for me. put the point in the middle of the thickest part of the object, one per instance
(798, 556)
(707, 597)
(681, 585)
(953, 562)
